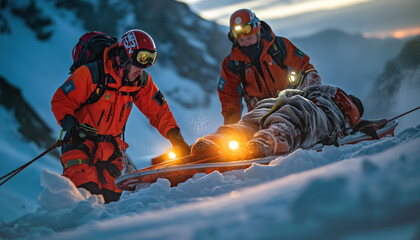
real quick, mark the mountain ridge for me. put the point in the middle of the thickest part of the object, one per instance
(31, 126)
(400, 74)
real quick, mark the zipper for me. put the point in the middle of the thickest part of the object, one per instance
(122, 110)
(100, 119)
(266, 85)
(268, 70)
(257, 81)
(109, 114)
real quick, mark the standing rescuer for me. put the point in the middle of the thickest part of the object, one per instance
(259, 66)
(92, 158)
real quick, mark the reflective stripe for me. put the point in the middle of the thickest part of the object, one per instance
(76, 161)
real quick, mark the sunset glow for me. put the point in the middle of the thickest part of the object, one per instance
(400, 33)
(372, 18)
(275, 10)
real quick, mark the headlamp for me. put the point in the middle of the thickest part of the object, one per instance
(296, 78)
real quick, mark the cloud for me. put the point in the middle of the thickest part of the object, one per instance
(373, 18)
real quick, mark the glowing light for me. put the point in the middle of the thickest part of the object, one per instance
(172, 155)
(400, 33)
(292, 77)
(237, 28)
(406, 32)
(233, 145)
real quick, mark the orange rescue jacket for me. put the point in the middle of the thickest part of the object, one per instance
(258, 86)
(110, 113)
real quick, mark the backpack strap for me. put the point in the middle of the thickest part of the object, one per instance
(99, 78)
(278, 52)
(238, 68)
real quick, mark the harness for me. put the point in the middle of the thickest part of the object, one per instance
(112, 169)
(101, 79)
(100, 165)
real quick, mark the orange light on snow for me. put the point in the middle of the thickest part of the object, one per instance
(233, 145)
(171, 155)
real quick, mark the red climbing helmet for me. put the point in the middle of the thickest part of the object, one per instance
(140, 48)
(243, 23)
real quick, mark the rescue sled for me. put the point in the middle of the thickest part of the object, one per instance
(181, 169)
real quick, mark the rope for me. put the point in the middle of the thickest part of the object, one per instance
(11, 174)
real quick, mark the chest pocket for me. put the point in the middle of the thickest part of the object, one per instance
(127, 99)
(106, 107)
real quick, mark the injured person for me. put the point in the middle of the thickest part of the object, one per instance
(295, 119)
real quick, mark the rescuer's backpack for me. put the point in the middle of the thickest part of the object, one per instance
(90, 48)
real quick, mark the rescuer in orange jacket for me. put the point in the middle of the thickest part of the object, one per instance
(259, 66)
(92, 159)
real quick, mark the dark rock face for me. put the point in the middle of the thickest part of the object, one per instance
(31, 125)
(31, 14)
(194, 47)
(404, 70)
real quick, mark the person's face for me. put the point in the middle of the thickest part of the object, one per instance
(134, 72)
(248, 40)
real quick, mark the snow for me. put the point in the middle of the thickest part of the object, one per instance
(365, 191)
(369, 190)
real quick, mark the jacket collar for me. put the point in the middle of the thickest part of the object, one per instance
(266, 39)
(111, 66)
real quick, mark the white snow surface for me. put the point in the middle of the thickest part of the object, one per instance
(370, 190)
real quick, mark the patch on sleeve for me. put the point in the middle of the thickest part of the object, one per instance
(299, 53)
(68, 86)
(159, 98)
(221, 84)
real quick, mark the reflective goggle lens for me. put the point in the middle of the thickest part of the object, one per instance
(144, 58)
(242, 30)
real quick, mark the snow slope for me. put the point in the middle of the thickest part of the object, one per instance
(38, 69)
(369, 190)
(46, 67)
(366, 191)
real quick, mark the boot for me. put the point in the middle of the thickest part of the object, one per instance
(203, 146)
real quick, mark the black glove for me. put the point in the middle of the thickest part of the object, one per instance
(75, 132)
(178, 143)
(78, 135)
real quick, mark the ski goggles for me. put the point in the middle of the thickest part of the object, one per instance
(243, 29)
(144, 58)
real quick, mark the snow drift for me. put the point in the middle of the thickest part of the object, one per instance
(368, 190)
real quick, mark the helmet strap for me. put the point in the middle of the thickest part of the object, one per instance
(259, 38)
(124, 63)
(126, 69)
